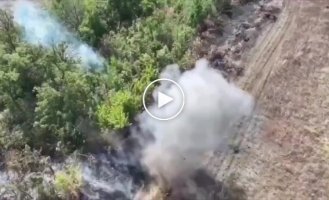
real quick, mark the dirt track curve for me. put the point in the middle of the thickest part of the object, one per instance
(284, 149)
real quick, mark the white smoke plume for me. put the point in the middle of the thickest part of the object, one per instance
(212, 109)
(41, 28)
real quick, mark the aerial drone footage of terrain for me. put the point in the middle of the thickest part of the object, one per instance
(164, 100)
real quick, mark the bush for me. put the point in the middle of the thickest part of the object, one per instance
(69, 182)
(119, 111)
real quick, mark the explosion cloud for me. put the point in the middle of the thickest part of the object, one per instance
(212, 109)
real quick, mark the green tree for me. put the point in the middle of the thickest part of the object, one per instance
(71, 12)
(9, 34)
(118, 111)
(93, 19)
(60, 108)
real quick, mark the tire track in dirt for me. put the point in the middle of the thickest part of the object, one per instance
(264, 62)
(293, 89)
(272, 62)
(269, 170)
(258, 70)
(293, 43)
(257, 65)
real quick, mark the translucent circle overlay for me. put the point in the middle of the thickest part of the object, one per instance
(180, 89)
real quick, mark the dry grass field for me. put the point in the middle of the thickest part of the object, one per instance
(286, 156)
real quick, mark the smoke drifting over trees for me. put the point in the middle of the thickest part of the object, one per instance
(41, 28)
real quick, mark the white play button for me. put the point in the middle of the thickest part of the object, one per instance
(168, 99)
(163, 99)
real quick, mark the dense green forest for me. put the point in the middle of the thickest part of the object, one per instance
(45, 94)
(49, 102)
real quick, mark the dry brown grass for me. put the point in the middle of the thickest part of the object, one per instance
(290, 77)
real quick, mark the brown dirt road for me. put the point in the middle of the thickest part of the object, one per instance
(288, 73)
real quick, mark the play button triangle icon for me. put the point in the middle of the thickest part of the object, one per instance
(163, 99)
(173, 95)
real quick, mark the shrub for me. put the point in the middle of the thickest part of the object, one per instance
(118, 111)
(69, 182)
